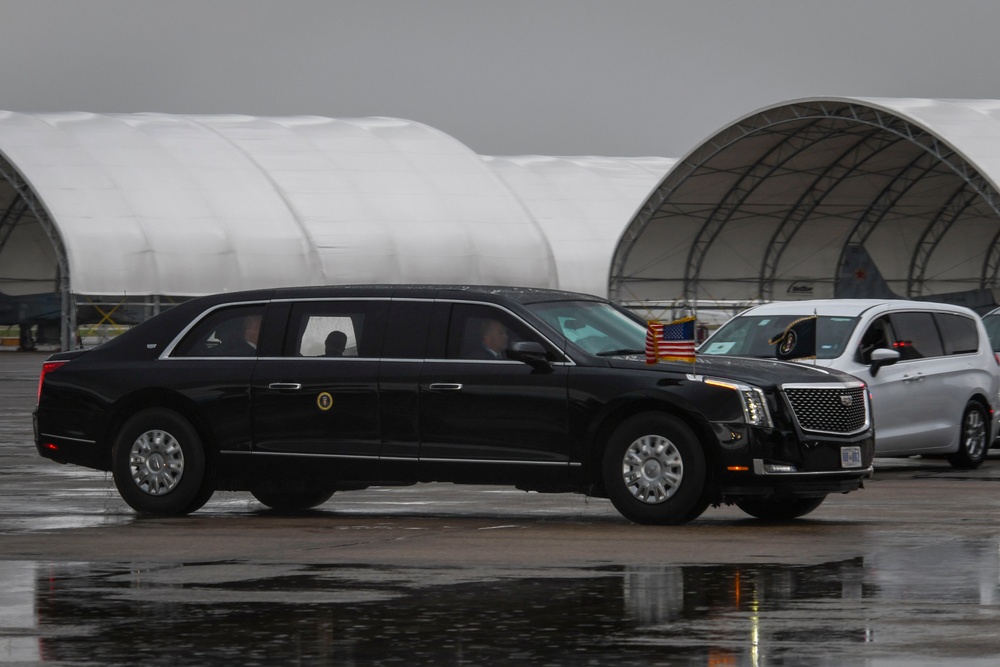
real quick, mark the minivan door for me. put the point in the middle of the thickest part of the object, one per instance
(912, 407)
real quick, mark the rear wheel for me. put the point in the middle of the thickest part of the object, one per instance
(158, 464)
(292, 500)
(972, 439)
(771, 508)
(655, 471)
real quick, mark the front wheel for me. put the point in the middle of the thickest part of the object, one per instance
(770, 508)
(972, 438)
(158, 463)
(655, 472)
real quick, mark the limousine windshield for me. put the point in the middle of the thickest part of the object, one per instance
(595, 327)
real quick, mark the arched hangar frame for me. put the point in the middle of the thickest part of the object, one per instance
(771, 206)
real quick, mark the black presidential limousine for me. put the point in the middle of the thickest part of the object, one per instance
(295, 393)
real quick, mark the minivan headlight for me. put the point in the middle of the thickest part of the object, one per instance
(755, 410)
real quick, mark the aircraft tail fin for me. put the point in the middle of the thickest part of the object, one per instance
(859, 278)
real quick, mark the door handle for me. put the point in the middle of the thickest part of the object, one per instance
(914, 378)
(445, 386)
(285, 386)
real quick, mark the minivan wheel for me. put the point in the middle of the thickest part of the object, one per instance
(158, 463)
(972, 439)
(654, 471)
(771, 508)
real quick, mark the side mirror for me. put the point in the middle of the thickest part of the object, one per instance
(531, 353)
(883, 356)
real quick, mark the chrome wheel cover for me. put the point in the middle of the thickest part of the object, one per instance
(156, 462)
(652, 469)
(974, 434)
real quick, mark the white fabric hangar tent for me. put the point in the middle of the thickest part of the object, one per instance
(109, 210)
(808, 198)
(790, 201)
(581, 204)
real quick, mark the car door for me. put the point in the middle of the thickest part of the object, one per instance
(307, 400)
(403, 352)
(478, 407)
(213, 364)
(913, 410)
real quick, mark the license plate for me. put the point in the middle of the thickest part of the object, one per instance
(850, 457)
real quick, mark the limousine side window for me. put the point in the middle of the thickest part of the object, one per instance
(959, 333)
(227, 332)
(406, 338)
(916, 335)
(335, 329)
(470, 324)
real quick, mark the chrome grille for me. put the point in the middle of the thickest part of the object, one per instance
(825, 409)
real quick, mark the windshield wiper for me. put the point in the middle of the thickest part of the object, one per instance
(621, 352)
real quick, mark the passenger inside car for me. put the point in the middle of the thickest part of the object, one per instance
(335, 344)
(485, 339)
(876, 337)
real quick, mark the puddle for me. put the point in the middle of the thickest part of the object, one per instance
(852, 612)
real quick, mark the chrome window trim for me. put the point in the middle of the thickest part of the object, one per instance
(205, 313)
(166, 354)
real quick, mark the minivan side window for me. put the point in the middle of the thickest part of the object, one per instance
(877, 336)
(959, 333)
(916, 335)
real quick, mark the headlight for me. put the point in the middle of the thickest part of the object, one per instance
(752, 398)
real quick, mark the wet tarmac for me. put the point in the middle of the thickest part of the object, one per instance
(904, 572)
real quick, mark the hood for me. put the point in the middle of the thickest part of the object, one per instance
(758, 372)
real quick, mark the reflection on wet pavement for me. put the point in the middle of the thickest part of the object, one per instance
(852, 612)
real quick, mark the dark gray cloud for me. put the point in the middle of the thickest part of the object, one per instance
(554, 77)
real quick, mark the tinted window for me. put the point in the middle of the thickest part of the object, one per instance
(916, 335)
(227, 332)
(335, 329)
(406, 338)
(959, 333)
(483, 332)
(877, 335)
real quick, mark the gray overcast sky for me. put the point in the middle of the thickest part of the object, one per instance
(505, 77)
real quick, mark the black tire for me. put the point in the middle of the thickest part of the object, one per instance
(973, 438)
(292, 500)
(771, 508)
(655, 472)
(204, 494)
(158, 464)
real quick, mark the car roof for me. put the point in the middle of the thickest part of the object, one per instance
(491, 293)
(850, 307)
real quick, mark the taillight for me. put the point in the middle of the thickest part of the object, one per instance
(47, 367)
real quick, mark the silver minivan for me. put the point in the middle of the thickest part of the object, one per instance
(934, 379)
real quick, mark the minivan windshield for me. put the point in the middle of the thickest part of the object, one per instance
(748, 335)
(596, 327)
